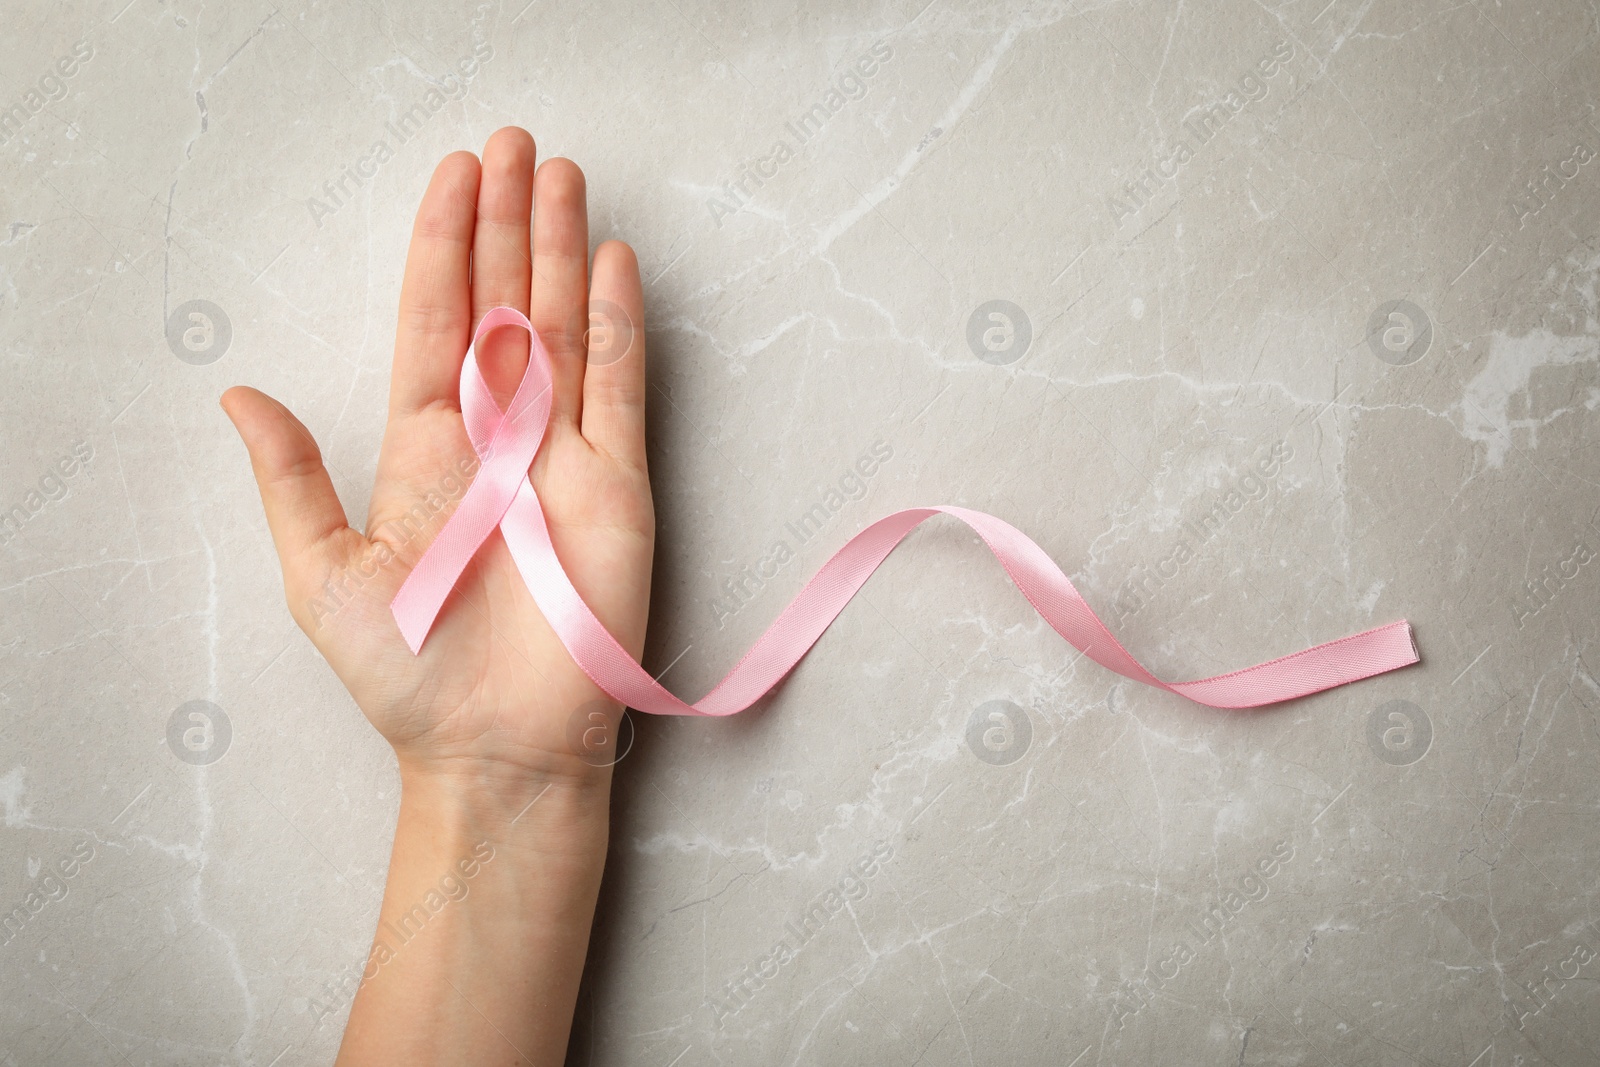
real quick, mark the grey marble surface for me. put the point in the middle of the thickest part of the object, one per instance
(1300, 335)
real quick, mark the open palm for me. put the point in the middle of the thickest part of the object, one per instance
(492, 682)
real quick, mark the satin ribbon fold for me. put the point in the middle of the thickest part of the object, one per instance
(502, 496)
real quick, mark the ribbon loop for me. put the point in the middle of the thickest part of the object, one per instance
(506, 442)
(501, 495)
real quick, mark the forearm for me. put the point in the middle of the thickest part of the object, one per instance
(485, 920)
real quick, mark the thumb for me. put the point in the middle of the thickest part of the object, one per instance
(303, 510)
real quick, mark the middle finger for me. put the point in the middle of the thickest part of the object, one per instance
(502, 268)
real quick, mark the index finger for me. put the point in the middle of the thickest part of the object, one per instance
(436, 296)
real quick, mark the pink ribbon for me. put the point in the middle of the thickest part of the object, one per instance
(501, 495)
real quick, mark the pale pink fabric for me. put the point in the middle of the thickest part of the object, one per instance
(501, 495)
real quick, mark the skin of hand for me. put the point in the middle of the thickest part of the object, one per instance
(481, 721)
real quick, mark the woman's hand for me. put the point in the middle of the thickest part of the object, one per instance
(501, 838)
(493, 684)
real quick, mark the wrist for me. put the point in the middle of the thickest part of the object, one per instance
(525, 810)
(486, 915)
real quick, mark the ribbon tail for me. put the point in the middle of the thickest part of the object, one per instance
(797, 628)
